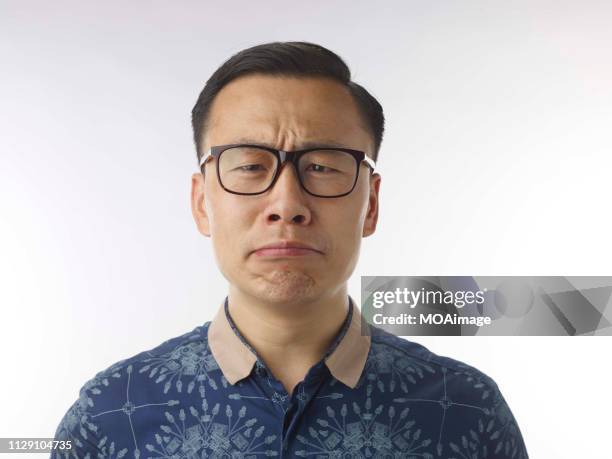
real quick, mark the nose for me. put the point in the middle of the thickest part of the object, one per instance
(288, 201)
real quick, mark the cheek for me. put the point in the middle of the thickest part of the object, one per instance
(355, 210)
(221, 224)
(346, 225)
(228, 230)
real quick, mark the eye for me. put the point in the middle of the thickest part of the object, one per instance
(320, 168)
(249, 168)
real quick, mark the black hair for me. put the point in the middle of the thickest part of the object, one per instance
(294, 58)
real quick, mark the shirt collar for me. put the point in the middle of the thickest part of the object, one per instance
(345, 358)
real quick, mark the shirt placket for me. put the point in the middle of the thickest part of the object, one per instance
(289, 407)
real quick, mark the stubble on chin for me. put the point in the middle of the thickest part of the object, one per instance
(286, 285)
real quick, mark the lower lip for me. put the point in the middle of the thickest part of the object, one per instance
(289, 252)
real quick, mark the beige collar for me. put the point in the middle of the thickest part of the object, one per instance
(236, 360)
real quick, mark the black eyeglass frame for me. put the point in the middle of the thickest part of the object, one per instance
(288, 156)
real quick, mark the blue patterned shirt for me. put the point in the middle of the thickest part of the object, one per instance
(207, 394)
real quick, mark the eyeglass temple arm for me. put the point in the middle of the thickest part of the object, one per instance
(370, 162)
(205, 157)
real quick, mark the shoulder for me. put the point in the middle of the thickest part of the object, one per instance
(469, 401)
(416, 361)
(156, 375)
(183, 352)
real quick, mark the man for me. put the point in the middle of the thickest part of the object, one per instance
(286, 191)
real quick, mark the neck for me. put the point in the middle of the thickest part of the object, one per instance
(289, 337)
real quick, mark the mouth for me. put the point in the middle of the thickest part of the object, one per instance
(286, 252)
(286, 249)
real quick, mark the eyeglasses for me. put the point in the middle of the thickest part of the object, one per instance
(325, 172)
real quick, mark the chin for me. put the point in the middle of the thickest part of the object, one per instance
(284, 286)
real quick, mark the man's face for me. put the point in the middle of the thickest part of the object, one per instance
(285, 113)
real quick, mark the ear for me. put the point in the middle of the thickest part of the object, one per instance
(198, 208)
(369, 225)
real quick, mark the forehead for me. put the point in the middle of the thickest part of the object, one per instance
(277, 108)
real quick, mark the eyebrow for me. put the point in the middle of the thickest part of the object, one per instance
(302, 145)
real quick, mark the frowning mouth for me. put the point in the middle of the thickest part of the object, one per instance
(286, 249)
(285, 252)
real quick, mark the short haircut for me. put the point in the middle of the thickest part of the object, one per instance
(296, 58)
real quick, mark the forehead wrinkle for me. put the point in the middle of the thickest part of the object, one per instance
(292, 134)
(299, 144)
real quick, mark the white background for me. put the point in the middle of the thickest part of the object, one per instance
(496, 161)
